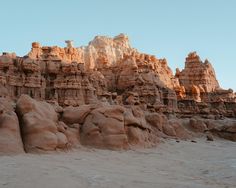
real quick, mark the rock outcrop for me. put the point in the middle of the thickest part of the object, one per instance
(104, 128)
(198, 77)
(10, 137)
(100, 71)
(199, 91)
(107, 95)
(41, 130)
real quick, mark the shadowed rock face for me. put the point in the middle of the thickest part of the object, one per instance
(107, 95)
(10, 138)
(104, 127)
(41, 129)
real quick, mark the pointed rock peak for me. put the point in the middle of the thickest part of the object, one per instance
(193, 58)
(192, 54)
(207, 61)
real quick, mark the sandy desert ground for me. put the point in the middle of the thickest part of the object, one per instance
(170, 165)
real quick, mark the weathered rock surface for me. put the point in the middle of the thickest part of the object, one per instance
(10, 139)
(75, 76)
(107, 95)
(225, 129)
(72, 115)
(200, 91)
(41, 130)
(198, 125)
(202, 79)
(104, 128)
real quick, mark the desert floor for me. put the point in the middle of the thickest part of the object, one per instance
(170, 165)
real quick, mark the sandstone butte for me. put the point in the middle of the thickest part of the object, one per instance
(107, 95)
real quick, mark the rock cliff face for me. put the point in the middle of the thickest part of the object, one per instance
(10, 137)
(198, 74)
(106, 68)
(200, 91)
(113, 97)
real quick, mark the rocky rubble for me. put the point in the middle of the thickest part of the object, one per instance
(107, 95)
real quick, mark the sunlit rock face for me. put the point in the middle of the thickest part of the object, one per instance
(107, 95)
(198, 73)
(109, 69)
(106, 69)
(200, 91)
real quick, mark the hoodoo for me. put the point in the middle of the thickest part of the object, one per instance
(107, 95)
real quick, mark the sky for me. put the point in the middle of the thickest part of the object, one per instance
(165, 28)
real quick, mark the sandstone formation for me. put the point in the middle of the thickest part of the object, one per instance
(41, 130)
(107, 95)
(200, 92)
(104, 127)
(203, 77)
(10, 137)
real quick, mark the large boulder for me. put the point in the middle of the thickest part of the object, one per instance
(104, 128)
(169, 130)
(78, 114)
(40, 129)
(228, 132)
(179, 130)
(225, 128)
(138, 130)
(156, 120)
(172, 127)
(198, 125)
(10, 138)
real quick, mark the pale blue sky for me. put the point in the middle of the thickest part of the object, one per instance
(167, 28)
